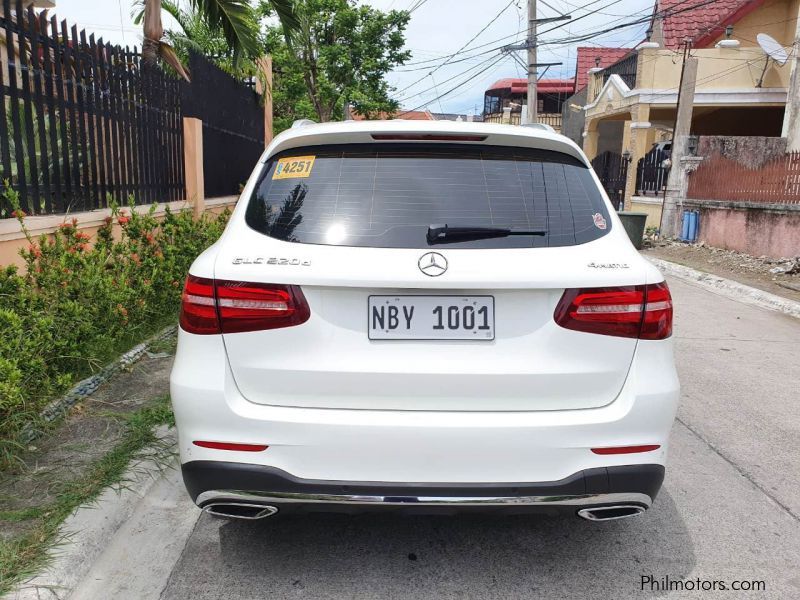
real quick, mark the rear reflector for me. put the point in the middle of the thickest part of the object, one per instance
(626, 449)
(232, 446)
(642, 311)
(216, 306)
(428, 137)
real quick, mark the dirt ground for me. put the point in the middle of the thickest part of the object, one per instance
(90, 430)
(743, 268)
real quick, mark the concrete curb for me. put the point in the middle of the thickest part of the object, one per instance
(91, 529)
(728, 288)
(59, 407)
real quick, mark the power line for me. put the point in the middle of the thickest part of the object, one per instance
(663, 14)
(454, 88)
(466, 72)
(452, 62)
(472, 39)
(121, 21)
(504, 38)
(553, 8)
(516, 35)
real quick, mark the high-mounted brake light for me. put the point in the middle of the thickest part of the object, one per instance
(428, 137)
(642, 311)
(217, 306)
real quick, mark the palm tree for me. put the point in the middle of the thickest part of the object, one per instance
(234, 18)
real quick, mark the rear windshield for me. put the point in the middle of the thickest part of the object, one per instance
(386, 196)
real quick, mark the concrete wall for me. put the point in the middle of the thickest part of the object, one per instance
(777, 18)
(757, 229)
(718, 69)
(649, 205)
(751, 152)
(739, 120)
(611, 134)
(12, 239)
(573, 121)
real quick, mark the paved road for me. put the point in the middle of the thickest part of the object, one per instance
(730, 508)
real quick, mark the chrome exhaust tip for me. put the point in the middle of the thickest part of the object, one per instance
(240, 510)
(611, 513)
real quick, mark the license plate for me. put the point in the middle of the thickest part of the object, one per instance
(431, 318)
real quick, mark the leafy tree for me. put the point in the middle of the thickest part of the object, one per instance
(235, 20)
(193, 33)
(340, 54)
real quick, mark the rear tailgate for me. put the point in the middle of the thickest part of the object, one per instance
(349, 221)
(330, 362)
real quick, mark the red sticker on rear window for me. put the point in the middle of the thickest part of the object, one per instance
(599, 221)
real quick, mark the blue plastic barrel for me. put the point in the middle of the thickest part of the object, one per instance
(685, 226)
(689, 226)
(693, 218)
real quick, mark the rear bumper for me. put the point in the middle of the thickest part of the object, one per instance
(210, 482)
(419, 446)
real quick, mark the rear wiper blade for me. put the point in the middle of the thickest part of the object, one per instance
(443, 234)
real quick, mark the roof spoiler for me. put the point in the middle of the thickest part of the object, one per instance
(303, 123)
(542, 126)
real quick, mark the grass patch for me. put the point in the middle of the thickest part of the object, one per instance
(81, 300)
(166, 345)
(22, 556)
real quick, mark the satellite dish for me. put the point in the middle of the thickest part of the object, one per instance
(772, 48)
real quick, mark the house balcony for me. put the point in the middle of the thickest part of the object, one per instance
(514, 117)
(725, 76)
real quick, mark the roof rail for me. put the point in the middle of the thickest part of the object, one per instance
(303, 123)
(542, 126)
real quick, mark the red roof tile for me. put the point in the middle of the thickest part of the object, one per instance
(703, 24)
(587, 56)
(545, 86)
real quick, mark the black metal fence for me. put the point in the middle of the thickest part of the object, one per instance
(625, 68)
(81, 121)
(612, 169)
(233, 125)
(652, 171)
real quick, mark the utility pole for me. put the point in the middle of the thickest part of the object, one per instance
(675, 191)
(791, 119)
(532, 65)
(533, 102)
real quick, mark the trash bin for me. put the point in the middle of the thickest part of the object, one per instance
(634, 223)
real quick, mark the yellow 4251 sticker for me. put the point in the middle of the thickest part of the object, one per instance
(296, 166)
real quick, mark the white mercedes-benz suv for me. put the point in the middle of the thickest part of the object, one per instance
(424, 316)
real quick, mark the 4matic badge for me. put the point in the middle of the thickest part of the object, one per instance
(594, 265)
(291, 262)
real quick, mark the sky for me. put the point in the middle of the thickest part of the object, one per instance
(437, 30)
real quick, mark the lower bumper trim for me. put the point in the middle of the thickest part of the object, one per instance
(280, 498)
(217, 482)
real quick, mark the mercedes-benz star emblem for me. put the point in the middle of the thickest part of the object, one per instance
(432, 264)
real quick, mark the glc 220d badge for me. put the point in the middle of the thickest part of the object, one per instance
(292, 262)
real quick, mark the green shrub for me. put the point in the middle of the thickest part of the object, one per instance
(78, 305)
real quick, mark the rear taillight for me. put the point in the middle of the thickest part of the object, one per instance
(198, 308)
(642, 311)
(217, 306)
(257, 306)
